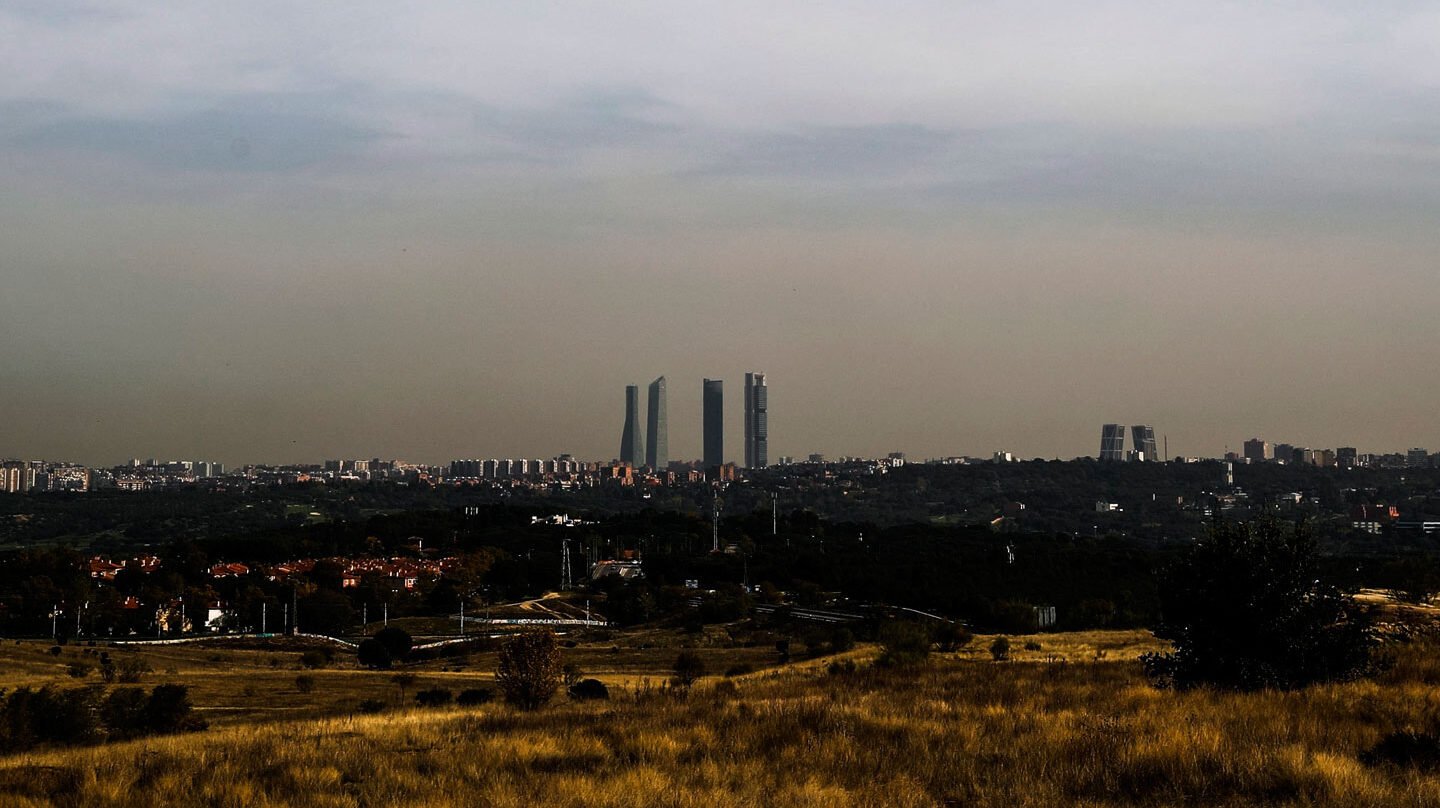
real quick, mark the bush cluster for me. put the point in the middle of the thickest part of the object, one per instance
(51, 716)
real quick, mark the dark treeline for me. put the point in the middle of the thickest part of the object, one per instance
(989, 578)
(1159, 502)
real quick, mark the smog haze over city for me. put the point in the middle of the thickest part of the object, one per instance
(281, 232)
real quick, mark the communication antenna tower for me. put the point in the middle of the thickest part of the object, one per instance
(714, 523)
(565, 581)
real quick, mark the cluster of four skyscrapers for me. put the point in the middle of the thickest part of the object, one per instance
(652, 448)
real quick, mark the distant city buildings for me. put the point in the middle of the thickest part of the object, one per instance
(632, 448)
(757, 429)
(1112, 442)
(1257, 451)
(657, 441)
(1144, 437)
(713, 422)
(1345, 457)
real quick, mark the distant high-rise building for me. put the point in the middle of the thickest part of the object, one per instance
(1284, 453)
(714, 422)
(1346, 456)
(1112, 442)
(1417, 458)
(1257, 451)
(757, 427)
(1144, 443)
(632, 448)
(657, 441)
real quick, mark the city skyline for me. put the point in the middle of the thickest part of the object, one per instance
(225, 240)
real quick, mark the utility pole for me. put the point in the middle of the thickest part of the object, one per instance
(55, 622)
(462, 615)
(263, 607)
(774, 514)
(387, 615)
(364, 616)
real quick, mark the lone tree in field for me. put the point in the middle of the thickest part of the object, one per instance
(529, 670)
(1248, 608)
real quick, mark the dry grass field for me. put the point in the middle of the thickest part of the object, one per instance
(1071, 722)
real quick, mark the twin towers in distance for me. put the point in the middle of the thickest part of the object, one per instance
(653, 448)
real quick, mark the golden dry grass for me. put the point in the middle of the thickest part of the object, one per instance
(961, 731)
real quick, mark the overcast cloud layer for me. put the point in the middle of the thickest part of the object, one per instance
(284, 232)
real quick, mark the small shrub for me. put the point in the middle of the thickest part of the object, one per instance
(841, 667)
(903, 644)
(305, 683)
(370, 706)
(434, 697)
(841, 640)
(588, 690)
(1000, 649)
(78, 670)
(726, 689)
(688, 668)
(169, 710)
(528, 672)
(404, 682)
(475, 697)
(570, 673)
(1031, 645)
(951, 637)
(739, 670)
(130, 671)
(123, 712)
(54, 650)
(313, 659)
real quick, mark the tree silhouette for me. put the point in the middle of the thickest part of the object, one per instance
(1248, 608)
(528, 672)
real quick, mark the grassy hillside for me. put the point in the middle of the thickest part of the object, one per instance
(963, 730)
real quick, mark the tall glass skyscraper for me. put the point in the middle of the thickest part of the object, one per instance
(657, 443)
(714, 422)
(1143, 439)
(1112, 442)
(757, 427)
(632, 449)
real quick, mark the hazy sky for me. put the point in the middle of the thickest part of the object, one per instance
(289, 231)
